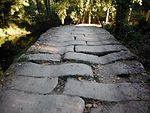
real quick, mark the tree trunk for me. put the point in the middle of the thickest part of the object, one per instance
(47, 5)
(121, 14)
(38, 6)
(130, 12)
(90, 17)
(147, 16)
(107, 16)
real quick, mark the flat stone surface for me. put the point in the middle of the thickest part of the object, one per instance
(62, 44)
(81, 57)
(106, 92)
(100, 50)
(19, 102)
(37, 70)
(112, 57)
(57, 38)
(126, 107)
(31, 84)
(41, 57)
(94, 37)
(119, 68)
(104, 42)
(49, 49)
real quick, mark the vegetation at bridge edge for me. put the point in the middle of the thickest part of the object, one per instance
(128, 20)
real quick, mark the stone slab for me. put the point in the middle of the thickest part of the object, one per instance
(41, 57)
(123, 69)
(37, 70)
(32, 84)
(126, 107)
(19, 102)
(56, 38)
(104, 42)
(112, 57)
(106, 92)
(81, 57)
(62, 44)
(100, 50)
(49, 49)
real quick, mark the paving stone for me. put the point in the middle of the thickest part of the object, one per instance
(62, 39)
(100, 50)
(61, 44)
(37, 70)
(126, 107)
(81, 57)
(41, 57)
(123, 69)
(104, 42)
(49, 49)
(106, 92)
(112, 57)
(32, 84)
(19, 102)
(90, 38)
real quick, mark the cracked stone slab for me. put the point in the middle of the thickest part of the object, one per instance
(106, 92)
(126, 107)
(104, 42)
(112, 57)
(41, 57)
(49, 49)
(38, 70)
(61, 44)
(119, 68)
(100, 50)
(32, 84)
(19, 102)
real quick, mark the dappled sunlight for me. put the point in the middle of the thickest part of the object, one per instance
(95, 25)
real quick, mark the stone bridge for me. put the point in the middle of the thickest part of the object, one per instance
(76, 69)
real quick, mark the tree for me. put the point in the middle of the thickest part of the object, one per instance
(47, 5)
(122, 7)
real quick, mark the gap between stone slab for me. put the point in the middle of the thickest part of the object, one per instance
(77, 61)
(90, 103)
(100, 54)
(62, 81)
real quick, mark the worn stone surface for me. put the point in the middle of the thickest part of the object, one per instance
(81, 57)
(49, 49)
(106, 92)
(62, 44)
(104, 42)
(41, 57)
(112, 57)
(37, 70)
(124, 107)
(31, 84)
(94, 37)
(56, 38)
(19, 102)
(121, 68)
(100, 50)
(113, 84)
